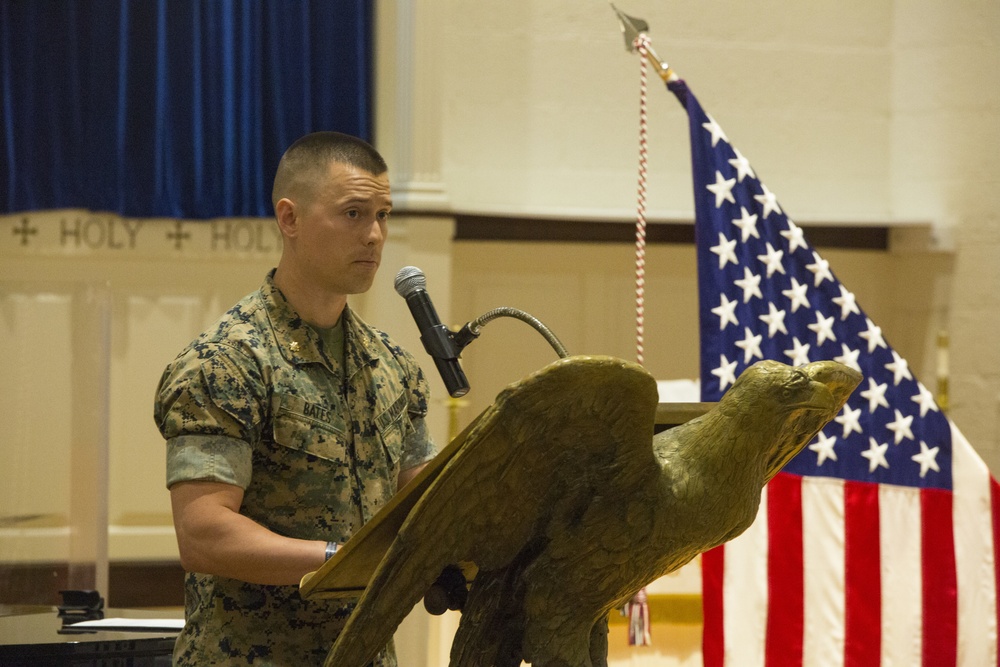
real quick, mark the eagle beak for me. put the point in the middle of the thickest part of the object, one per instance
(821, 399)
(839, 381)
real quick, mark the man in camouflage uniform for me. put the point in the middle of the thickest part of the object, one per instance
(290, 422)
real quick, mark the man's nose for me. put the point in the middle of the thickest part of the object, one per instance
(376, 232)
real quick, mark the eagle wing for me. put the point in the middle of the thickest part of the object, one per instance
(559, 430)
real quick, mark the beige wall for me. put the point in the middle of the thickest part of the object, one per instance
(852, 112)
(946, 167)
(540, 108)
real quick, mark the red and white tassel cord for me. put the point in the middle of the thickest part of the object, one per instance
(637, 611)
(641, 43)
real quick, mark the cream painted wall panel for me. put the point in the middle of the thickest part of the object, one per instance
(954, 162)
(946, 167)
(949, 76)
(922, 282)
(758, 78)
(542, 107)
(35, 424)
(585, 293)
(825, 159)
(818, 24)
(609, 324)
(158, 310)
(975, 337)
(150, 329)
(936, 22)
(533, 119)
(509, 349)
(56, 343)
(155, 318)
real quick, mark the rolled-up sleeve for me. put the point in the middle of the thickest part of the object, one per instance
(209, 410)
(208, 457)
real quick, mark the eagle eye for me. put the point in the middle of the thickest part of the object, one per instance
(796, 383)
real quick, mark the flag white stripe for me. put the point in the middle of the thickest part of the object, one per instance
(823, 539)
(977, 617)
(901, 573)
(745, 594)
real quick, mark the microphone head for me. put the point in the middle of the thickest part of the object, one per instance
(409, 280)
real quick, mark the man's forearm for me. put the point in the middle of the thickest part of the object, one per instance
(249, 552)
(214, 538)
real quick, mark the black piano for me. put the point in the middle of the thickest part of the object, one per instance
(35, 636)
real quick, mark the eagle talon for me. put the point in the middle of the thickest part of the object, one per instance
(448, 592)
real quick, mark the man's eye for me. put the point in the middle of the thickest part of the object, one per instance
(383, 215)
(353, 213)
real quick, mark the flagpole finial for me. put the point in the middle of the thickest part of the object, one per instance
(631, 28)
(635, 28)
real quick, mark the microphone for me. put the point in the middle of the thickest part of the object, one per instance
(437, 339)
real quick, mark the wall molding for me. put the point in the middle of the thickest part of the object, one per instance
(78, 232)
(475, 227)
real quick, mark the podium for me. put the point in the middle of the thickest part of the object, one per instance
(568, 501)
(517, 480)
(348, 572)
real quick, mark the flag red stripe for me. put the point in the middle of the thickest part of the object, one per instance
(862, 576)
(713, 636)
(995, 504)
(785, 578)
(940, 584)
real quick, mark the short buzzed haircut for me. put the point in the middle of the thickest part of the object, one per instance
(308, 158)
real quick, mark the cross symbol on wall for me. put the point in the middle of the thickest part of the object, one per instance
(178, 235)
(25, 230)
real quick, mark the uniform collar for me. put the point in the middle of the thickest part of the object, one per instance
(300, 344)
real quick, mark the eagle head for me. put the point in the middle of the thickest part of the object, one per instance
(797, 401)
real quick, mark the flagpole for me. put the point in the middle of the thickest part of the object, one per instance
(636, 39)
(942, 371)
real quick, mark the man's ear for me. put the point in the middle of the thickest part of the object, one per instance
(284, 213)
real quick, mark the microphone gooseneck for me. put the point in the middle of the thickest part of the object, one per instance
(445, 345)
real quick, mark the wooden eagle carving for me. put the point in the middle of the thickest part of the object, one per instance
(568, 504)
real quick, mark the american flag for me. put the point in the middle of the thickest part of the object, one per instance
(876, 545)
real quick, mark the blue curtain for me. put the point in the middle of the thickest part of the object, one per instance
(172, 108)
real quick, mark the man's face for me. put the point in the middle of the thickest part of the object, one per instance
(342, 229)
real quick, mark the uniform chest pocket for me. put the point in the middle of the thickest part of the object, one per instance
(392, 424)
(309, 427)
